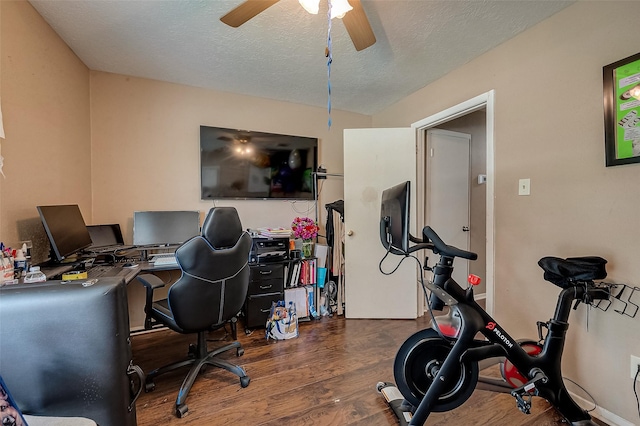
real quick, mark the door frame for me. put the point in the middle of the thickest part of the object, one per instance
(483, 101)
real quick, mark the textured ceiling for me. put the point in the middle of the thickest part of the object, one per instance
(280, 53)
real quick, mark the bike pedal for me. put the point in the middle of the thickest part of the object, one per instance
(522, 404)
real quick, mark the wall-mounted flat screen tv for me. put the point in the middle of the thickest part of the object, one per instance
(244, 164)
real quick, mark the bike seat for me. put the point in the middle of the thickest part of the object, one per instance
(568, 272)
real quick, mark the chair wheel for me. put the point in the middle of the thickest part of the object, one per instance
(149, 386)
(240, 352)
(181, 410)
(244, 381)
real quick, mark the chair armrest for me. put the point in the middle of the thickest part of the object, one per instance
(150, 283)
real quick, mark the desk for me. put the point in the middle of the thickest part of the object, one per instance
(136, 294)
(53, 271)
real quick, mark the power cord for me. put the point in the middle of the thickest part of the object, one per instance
(635, 390)
(424, 287)
(593, 400)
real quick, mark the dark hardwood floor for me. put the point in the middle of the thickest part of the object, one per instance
(327, 376)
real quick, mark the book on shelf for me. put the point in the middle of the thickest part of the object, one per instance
(295, 275)
(303, 272)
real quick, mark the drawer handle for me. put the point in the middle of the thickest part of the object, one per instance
(265, 272)
(265, 311)
(264, 287)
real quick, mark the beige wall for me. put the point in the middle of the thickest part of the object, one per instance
(105, 141)
(45, 106)
(549, 127)
(145, 147)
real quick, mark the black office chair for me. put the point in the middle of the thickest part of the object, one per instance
(208, 295)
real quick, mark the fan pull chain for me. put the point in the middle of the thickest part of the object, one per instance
(329, 60)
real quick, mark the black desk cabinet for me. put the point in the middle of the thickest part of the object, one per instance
(65, 351)
(266, 285)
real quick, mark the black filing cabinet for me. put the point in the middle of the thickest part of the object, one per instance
(266, 285)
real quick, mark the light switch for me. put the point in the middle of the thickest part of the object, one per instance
(524, 187)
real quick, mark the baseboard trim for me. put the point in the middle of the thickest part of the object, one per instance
(601, 414)
(480, 296)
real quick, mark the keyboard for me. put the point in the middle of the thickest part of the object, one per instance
(164, 260)
(105, 271)
(109, 249)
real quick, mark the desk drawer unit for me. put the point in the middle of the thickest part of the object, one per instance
(266, 285)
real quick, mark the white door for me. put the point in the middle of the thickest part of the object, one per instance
(447, 183)
(374, 160)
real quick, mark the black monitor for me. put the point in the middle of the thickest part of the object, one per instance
(66, 230)
(105, 235)
(394, 218)
(157, 228)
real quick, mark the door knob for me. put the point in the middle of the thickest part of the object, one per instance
(350, 233)
(465, 228)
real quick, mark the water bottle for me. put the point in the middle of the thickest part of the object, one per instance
(19, 264)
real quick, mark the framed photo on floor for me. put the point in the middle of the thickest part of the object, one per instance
(10, 415)
(621, 91)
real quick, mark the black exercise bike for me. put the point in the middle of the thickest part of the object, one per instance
(437, 369)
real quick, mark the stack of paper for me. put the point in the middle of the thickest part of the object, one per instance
(275, 232)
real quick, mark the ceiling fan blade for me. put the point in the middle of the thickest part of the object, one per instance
(246, 11)
(358, 26)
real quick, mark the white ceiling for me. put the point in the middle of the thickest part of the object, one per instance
(280, 53)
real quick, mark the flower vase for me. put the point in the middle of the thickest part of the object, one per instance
(307, 249)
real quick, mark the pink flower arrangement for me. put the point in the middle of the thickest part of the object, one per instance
(304, 228)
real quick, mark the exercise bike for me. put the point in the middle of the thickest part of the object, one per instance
(437, 369)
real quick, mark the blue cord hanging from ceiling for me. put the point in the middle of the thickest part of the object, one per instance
(329, 60)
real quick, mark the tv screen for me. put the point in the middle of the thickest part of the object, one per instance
(243, 164)
(394, 218)
(66, 230)
(154, 228)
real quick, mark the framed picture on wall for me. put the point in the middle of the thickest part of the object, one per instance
(621, 84)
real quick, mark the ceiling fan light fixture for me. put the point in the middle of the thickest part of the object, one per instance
(339, 8)
(311, 6)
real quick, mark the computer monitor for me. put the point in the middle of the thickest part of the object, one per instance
(105, 235)
(155, 228)
(394, 218)
(66, 230)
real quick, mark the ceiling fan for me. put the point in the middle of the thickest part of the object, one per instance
(355, 20)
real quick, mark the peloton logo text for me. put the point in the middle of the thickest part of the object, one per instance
(492, 326)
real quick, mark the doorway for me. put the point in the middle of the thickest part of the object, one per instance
(372, 164)
(474, 116)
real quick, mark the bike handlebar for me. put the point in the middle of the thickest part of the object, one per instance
(440, 247)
